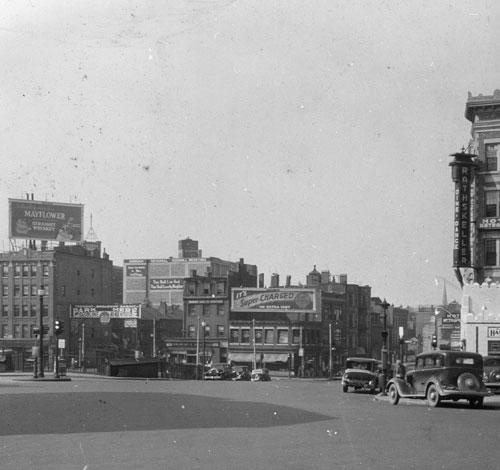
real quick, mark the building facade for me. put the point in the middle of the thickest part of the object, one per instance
(65, 275)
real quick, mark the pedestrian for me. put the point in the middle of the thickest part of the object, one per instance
(400, 370)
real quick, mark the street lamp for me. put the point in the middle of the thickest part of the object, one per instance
(204, 324)
(330, 355)
(40, 344)
(385, 306)
(401, 343)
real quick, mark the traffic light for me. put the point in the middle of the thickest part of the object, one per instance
(434, 341)
(58, 327)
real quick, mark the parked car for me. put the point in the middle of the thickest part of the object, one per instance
(241, 374)
(442, 375)
(361, 373)
(260, 375)
(491, 373)
(218, 372)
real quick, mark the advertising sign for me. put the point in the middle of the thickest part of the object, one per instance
(38, 220)
(277, 300)
(166, 283)
(136, 270)
(492, 223)
(111, 311)
(461, 238)
(451, 317)
(494, 332)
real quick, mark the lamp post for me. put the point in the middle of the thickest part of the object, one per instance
(204, 324)
(330, 351)
(254, 346)
(385, 306)
(40, 297)
(401, 343)
(198, 350)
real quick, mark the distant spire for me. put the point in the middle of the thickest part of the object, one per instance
(91, 235)
(445, 297)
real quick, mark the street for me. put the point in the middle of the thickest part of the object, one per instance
(102, 423)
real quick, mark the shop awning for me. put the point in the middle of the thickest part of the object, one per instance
(275, 357)
(241, 357)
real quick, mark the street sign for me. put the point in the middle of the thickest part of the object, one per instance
(61, 343)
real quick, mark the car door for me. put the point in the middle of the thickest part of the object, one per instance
(426, 366)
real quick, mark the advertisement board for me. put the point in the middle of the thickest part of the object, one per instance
(166, 283)
(278, 300)
(39, 220)
(111, 311)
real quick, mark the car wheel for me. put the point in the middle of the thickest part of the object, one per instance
(468, 382)
(345, 388)
(433, 397)
(393, 395)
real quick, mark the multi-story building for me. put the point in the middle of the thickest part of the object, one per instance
(153, 281)
(65, 275)
(476, 250)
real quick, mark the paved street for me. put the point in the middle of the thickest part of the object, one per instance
(103, 423)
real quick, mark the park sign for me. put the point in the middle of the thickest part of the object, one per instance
(106, 311)
(42, 220)
(273, 300)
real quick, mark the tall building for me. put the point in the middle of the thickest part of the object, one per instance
(476, 174)
(65, 274)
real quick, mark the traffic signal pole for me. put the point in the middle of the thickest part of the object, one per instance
(40, 372)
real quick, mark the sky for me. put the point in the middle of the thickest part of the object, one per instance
(291, 134)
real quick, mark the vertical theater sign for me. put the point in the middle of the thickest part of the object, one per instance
(463, 167)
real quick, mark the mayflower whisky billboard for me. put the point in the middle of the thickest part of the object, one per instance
(39, 220)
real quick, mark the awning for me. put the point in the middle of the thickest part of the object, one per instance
(241, 357)
(275, 357)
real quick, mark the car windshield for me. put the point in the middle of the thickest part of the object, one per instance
(360, 365)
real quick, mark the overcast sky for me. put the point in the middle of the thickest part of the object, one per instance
(288, 133)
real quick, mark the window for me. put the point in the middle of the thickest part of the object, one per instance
(33, 310)
(191, 288)
(258, 335)
(245, 335)
(26, 291)
(17, 310)
(220, 288)
(490, 252)
(17, 270)
(26, 270)
(45, 311)
(296, 336)
(206, 288)
(269, 336)
(32, 334)
(221, 331)
(191, 309)
(33, 270)
(492, 199)
(192, 331)
(4, 331)
(491, 151)
(34, 290)
(282, 336)
(220, 310)
(5, 290)
(206, 309)
(207, 330)
(234, 336)
(5, 310)
(25, 331)
(17, 331)
(5, 270)
(17, 290)
(45, 270)
(63, 291)
(25, 313)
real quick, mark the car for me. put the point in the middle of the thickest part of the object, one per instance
(361, 373)
(218, 372)
(442, 375)
(491, 373)
(260, 375)
(241, 374)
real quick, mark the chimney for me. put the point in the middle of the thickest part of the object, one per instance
(288, 280)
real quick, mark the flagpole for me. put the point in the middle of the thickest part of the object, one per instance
(254, 351)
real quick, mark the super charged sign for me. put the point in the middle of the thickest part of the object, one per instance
(278, 300)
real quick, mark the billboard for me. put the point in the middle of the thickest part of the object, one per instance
(277, 300)
(166, 283)
(111, 311)
(38, 220)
